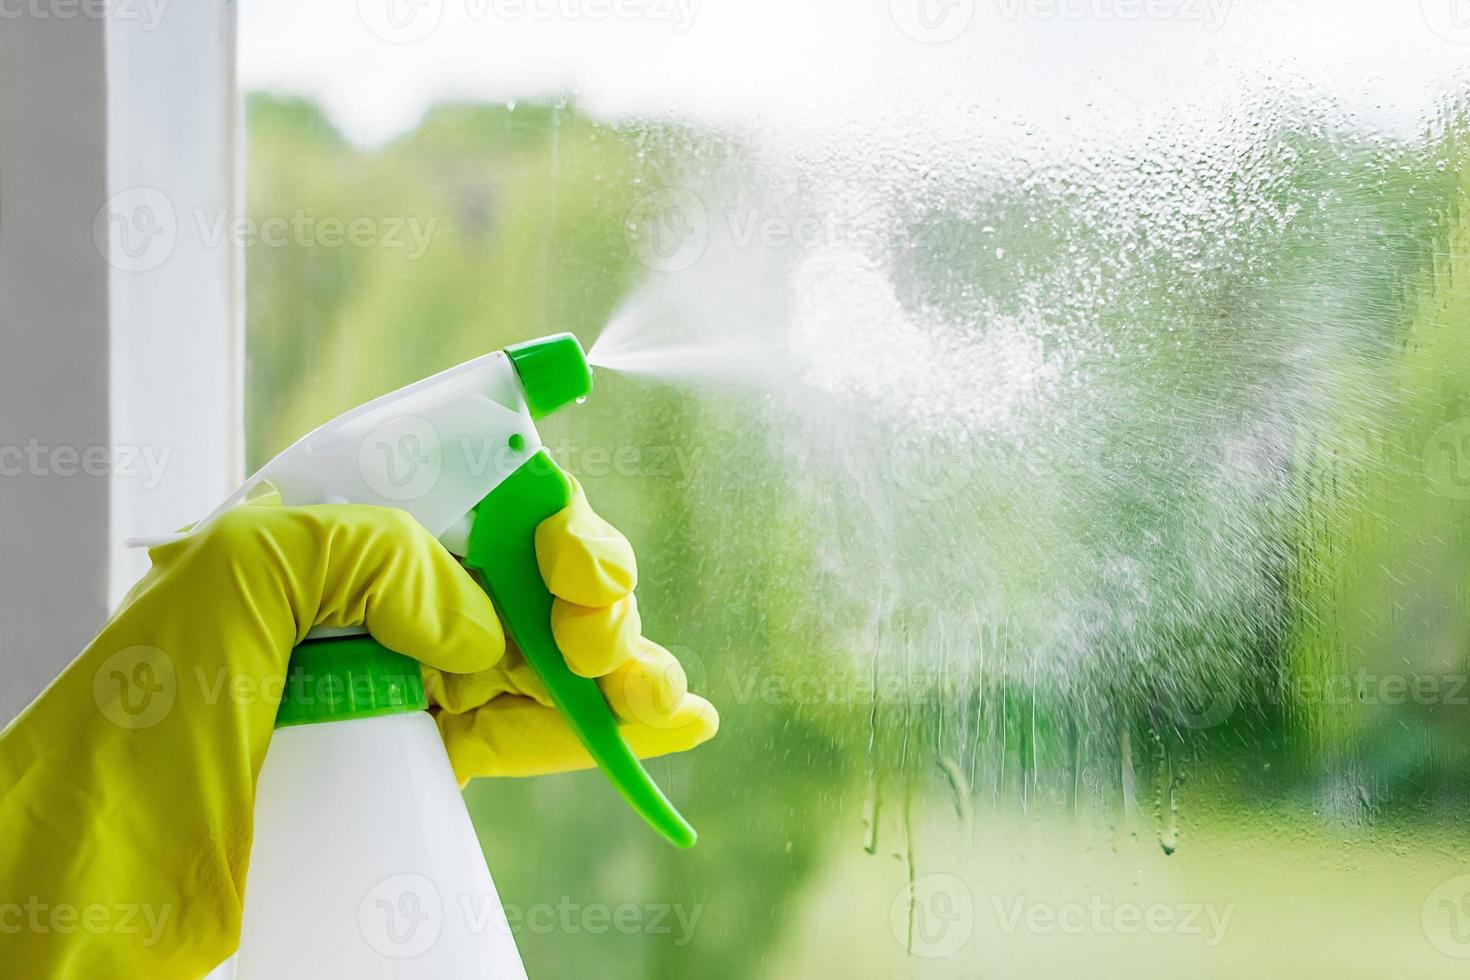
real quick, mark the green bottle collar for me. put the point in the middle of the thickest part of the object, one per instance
(348, 677)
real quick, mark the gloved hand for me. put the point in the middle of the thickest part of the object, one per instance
(127, 787)
(500, 722)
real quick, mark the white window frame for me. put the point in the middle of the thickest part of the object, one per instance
(120, 370)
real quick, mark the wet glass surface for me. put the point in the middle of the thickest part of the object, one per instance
(1044, 428)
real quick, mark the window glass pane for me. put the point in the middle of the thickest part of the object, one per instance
(1044, 428)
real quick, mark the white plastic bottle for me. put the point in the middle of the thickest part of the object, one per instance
(364, 863)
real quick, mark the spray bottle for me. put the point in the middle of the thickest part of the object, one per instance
(364, 862)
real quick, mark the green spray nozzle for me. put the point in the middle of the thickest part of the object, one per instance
(502, 549)
(553, 370)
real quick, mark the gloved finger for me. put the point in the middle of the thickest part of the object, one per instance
(583, 558)
(395, 578)
(459, 693)
(650, 689)
(513, 736)
(596, 640)
(358, 565)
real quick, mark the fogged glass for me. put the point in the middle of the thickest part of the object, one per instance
(1044, 429)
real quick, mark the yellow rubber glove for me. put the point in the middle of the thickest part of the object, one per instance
(500, 722)
(127, 787)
